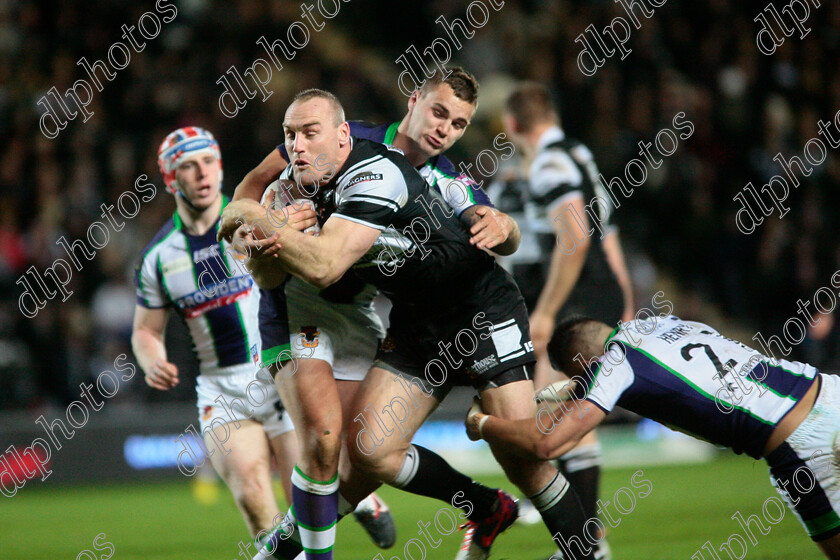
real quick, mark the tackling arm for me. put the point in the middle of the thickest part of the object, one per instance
(525, 438)
(256, 181)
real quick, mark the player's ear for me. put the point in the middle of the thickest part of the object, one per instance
(412, 99)
(511, 124)
(343, 133)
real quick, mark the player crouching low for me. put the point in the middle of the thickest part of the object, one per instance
(685, 374)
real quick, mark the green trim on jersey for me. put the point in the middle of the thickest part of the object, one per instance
(436, 170)
(269, 356)
(767, 387)
(179, 223)
(227, 262)
(203, 316)
(391, 133)
(597, 371)
(441, 171)
(157, 266)
(700, 391)
(163, 279)
(213, 334)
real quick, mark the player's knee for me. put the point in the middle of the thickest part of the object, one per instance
(517, 469)
(322, 446)
(252, 495)
(366, 458)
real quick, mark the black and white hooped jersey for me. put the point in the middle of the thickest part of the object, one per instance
(422, 247)
(206, 283)
(691, 378)
(563, 169)
(457, 189)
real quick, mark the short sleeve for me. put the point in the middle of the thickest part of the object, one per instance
(613, 376)
(147, 282)
(372, 196)
(457, 189)
(555, 179)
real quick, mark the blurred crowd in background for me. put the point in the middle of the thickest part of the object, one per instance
(696, 57)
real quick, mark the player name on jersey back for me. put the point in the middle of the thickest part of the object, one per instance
(688, 376)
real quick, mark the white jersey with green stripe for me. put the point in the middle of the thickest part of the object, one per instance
(209, 287)
(457, 189)
(689, 377)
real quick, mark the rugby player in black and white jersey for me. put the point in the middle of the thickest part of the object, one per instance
(186, 269)
(576, 264)
(439, 113)
(335, 332)
(381, 216)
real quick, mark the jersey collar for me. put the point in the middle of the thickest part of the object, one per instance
(553, 134)
(391, 133)
(179, 224)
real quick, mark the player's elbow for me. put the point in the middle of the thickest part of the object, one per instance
(543, 449)
(324, 276)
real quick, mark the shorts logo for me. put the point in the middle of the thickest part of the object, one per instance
(310, 336)
(364, 176)
(480, 366)
(207, 413)
(388, 345)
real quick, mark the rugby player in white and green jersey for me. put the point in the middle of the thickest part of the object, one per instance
(185, 269)
(691, 378)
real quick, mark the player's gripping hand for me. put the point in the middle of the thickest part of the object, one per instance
(237, 213)
(163, 375)
(493, 228)
(475, 420)
(298, 217)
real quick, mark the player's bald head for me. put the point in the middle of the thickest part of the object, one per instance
(530, 104)
(335, 107)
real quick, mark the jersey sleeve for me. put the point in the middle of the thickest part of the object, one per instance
(457, 189)
(555, 179)
(373, 196)
(282, 149)
(150, 293)
(613, 376)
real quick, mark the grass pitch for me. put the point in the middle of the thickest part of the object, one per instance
(687, 506)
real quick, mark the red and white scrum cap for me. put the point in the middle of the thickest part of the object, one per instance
(181, 144)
